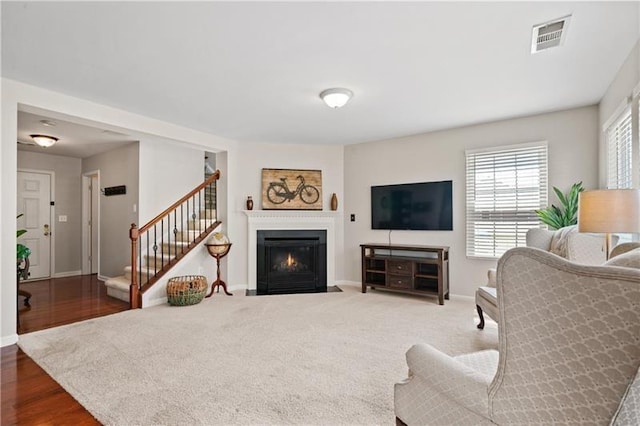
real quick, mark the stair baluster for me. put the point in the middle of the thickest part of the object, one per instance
(199, 224)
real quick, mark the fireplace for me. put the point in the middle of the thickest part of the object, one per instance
(291, 261)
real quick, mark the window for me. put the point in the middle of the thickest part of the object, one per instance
(505, 186)
(623, 155)
(620, 152)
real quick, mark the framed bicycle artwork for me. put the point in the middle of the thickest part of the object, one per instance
(287, 189)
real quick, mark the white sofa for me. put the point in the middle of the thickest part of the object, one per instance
(587, 249)
(569, 349)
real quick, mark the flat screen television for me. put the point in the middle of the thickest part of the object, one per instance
(423, 206)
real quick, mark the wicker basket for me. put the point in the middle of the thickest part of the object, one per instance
(186, 290)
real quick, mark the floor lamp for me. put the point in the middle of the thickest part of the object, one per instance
(609, 211)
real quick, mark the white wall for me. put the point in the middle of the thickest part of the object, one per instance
(117, 213)
(68, 202)
(168, 171)
(627, 78)
(573, 156)
(247, 174)
(56, 105)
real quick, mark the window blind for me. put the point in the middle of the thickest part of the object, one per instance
(505, 186)
(620, 152)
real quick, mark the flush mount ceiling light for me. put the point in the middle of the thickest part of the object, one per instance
(44, 140)
(336, 97)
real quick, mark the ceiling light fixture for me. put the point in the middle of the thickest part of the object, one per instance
(44, 140)
(336, 97)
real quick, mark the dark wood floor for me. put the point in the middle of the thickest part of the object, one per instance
(29, 395)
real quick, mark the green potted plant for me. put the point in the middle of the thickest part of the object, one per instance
(22, 254)
(565, 215)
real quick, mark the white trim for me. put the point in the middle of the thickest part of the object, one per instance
(9, 340)
(52, 216)
(347, 282)
(511, 147)
(289, 219)
(67, 274)
(636, 90)
(103, 278)
(85, 264)
(617, 113)
(86, 216)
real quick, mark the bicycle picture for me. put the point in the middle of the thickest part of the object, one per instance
(291, 189)
(279, 192)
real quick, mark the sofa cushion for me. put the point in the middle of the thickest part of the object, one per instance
(488, 293)
(630, 259)
(628, 413)
(559, 240)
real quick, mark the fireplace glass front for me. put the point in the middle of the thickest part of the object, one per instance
(292, 261)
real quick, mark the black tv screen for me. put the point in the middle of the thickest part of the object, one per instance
(414, 206)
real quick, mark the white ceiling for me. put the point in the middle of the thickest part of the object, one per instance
(75, 140)
(253, 71)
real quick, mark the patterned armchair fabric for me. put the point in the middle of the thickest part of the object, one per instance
(569, 347)
(587, 249)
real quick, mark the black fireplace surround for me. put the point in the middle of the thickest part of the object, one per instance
(292, 261)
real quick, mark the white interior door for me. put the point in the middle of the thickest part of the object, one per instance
(34, 202)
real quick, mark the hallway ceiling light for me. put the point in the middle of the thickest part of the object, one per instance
(44, 140)
(48, 123)
(336, 97)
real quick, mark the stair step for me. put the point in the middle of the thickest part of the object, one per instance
(188, 236)
(118, 287)
(157, 261)
(207, 214)
(173, 247)
(145, 270)
(200, 224)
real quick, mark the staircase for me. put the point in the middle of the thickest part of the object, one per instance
(160, 244)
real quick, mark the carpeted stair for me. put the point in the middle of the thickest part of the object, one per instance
(118, 287)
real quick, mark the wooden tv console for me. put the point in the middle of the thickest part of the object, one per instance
(414, 269)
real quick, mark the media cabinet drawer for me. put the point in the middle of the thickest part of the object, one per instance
(400, 267)
(399, 281)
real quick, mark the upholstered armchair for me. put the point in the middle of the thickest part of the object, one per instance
(569, 348)
(587, 249)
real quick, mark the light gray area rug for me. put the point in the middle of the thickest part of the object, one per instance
(293, 359)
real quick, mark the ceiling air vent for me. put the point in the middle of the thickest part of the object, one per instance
(550, 34)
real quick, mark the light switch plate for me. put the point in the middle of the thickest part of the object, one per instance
(62, 218)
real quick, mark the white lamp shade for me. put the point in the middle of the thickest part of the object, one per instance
(609, 211)
(44, 140)
(336, 98)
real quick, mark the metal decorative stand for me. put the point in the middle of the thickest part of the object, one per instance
(218, 251)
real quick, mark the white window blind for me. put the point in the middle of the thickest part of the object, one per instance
(505, 186)
(620, 152)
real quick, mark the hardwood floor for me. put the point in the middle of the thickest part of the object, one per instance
(29, 395)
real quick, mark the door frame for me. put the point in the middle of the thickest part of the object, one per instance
(52, 216)
(86, 216)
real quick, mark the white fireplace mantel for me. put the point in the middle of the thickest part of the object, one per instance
(259, 220)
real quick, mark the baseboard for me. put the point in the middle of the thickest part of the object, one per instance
(9, 340)
(232, 288)
(156, 302)
(463, 297)
(452, 295)
(67, 274)
(347, 282)
(103, 277)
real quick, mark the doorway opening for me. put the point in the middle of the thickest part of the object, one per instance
(91, 223)
(34, 191)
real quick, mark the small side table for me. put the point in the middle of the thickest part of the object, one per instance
(218, 251)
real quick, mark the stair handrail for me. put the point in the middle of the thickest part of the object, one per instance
(135, 294)
(158, 218)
